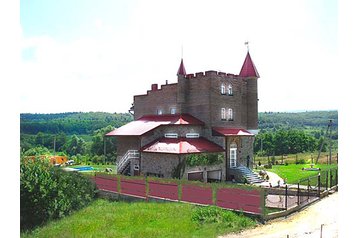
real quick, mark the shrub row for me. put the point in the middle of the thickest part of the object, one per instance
(47, 192)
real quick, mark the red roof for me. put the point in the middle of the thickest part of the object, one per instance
(248, 68)
(181, 70)
(150, 122)
(222, 131)
(182, 146)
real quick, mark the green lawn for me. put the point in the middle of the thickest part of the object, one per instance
(142, 219)
(293, 172)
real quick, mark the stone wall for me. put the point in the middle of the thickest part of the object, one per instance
(156, 163)
(162, 130)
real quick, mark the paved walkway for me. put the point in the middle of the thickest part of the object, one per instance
(306, 223)
(274, 179)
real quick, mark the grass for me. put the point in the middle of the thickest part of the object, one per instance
(144, 219)
(293, 172)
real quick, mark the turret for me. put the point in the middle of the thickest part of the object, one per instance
(182, 88)
(250, 75)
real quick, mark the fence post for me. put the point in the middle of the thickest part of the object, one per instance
(336, 176)
(330, 178)
(298, 193)
(286, 195)
(308, 186)
(326, 179)
(319, 185)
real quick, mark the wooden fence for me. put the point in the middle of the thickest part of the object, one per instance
(247, 200)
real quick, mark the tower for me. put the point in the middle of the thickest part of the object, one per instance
(250, 75)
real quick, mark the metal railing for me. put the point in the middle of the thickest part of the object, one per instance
(123, 161)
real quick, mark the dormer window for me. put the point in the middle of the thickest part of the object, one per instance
(223, 114)
(222, 89)
(192, 135)
(229, 90)
(171, 135)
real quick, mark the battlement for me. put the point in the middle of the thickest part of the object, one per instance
(212, 73)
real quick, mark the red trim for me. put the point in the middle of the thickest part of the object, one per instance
(222, 131)
(149, 122)
(181, 146)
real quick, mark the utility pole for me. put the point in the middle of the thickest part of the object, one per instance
(104, 148)
(54, 149)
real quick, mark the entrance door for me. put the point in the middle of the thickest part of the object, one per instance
(248, 161)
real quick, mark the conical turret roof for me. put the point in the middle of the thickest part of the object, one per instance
(248, 68)
(181, 70)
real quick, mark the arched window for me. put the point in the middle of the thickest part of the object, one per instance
(230, 114)
(233, 155)
(223, 114)
(222, 88)
(229, 89)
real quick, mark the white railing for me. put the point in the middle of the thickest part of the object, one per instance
(123, 161)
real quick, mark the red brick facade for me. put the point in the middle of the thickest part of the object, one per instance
(218, 99)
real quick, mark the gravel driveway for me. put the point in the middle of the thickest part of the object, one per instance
(306, 223)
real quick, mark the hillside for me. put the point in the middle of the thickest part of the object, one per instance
(80, 123)
(85, 123)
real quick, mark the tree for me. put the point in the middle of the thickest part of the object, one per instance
(75, 146)
(98, 143)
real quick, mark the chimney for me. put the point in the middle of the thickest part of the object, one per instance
(154, 87)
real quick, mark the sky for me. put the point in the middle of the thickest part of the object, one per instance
(91, 55)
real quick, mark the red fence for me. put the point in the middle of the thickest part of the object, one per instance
(106, 183)
(249, 201)
(163, 190)
(197, 194)
(133, 187)
(239, 199)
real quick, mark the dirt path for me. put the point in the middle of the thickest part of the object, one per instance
(306, 223)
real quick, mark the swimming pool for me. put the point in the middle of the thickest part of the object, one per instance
(84, 168)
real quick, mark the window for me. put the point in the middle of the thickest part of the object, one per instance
(230, 115)
(171, 135)
(192, 135)
(233, 155)
(222, 88)
(223, 114)
(159, 111)
(229, 90)
(172, 110)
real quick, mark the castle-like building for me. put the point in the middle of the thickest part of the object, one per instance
(205, 112)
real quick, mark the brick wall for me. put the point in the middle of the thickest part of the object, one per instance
(163, 98)
(252, 104)
(200, 95)
(126, 143)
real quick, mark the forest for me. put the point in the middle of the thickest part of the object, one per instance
(80, 135)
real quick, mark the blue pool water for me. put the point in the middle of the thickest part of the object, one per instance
(84, 168)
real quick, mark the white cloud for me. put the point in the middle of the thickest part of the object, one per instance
(103, 71)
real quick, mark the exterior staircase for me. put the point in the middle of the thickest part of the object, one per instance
(249, 175)
(124, 161)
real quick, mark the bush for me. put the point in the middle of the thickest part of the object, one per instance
(300, 161)
(204, 159)
(48, 193)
